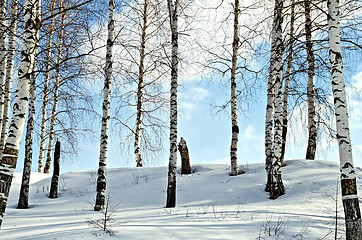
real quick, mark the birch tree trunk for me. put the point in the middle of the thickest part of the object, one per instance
(56, 93)
(234, 115)
(48, 59)
(287, 80)
(10, 155)
(276, 187)
(52, 121)
(270, 113)
(101, 180)
(171, 187)
(312, 129)
(2, 59)
(24, 190)
(137, 150)
(9, 72)
(348, 178)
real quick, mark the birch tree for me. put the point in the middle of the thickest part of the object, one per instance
(137, 150)
(24, 190)
(287, 79)
(10, 154)
(67, 75)
(268, 139)
(234, 116)
(48, 58)
(2, 59)
(348, 178)
(23, 202)
(275, 184)
(312, 129)
(142, 63)
(12, 25)
(101, 180)
(171, 187)
(60, 48)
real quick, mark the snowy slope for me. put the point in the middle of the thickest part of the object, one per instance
(210, 205)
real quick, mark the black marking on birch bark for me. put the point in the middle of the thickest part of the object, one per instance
(349, 187)
(235, 129)
(347, 165)
(11, 151)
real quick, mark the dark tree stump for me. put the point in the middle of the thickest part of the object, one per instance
(185, 159)
(54, 186)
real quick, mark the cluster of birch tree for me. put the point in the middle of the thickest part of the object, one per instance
(142, 39)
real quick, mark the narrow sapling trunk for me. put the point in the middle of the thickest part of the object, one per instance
(52, 123)
(60, 48)
(348, 179)
(171, 186)
(287, 80)
(48, 59)
(234, 115)
(137, 142)
(101, 180)
(185, 158)
(10, 154)
(312, 129)
(55, 179)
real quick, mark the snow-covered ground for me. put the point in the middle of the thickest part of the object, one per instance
(210, 205)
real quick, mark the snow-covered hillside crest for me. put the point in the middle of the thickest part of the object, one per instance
(210, 204)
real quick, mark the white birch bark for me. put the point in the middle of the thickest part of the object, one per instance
(270, 111)
(24, 189)
(60, 48)
(171, 187)
(234, 115)
(10, 155)
(348, 178)
(48, 59)
(287, 80)
(137, 143)
(312, 129)
(2, 59)
(9, 72)
(276, 187)
(101, 180)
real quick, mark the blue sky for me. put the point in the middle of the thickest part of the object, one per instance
(208, 134)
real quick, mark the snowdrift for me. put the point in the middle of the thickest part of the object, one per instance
(210, 205)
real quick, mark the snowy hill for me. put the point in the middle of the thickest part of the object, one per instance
(210, 205)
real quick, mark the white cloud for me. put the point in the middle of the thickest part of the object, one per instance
(199, 93)
(250, 140)
(191, 101)
(187, 109)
